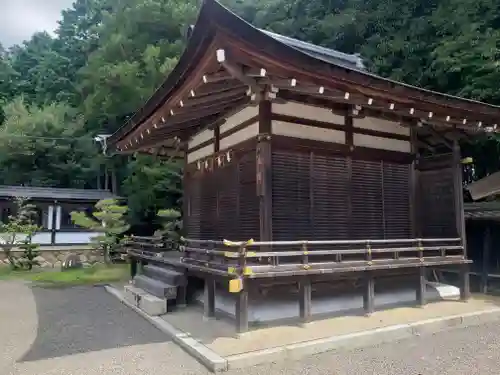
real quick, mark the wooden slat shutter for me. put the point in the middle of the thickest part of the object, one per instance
(291, 195)
(436, 203)
(396, 190)
(330, 192)
(193, 189)
(366, 200)
(227, 205)
(208, 220)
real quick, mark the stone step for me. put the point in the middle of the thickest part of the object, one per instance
(167, 275)
(155, 287)
(150, 304)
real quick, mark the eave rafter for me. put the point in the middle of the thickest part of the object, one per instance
(231, 72)
(370, 86)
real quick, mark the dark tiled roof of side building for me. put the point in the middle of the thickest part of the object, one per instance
(54, 193)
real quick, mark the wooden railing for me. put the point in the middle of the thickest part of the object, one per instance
(243, 263)
(246, 259)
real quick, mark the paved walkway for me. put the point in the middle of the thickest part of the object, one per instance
(83, 331)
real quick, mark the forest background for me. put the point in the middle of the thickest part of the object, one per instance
(107, 57)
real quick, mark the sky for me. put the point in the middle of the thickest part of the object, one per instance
(19, 19)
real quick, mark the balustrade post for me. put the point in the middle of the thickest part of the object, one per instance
(421, 285)
(305, 289)
(242, 298)
(369, 292)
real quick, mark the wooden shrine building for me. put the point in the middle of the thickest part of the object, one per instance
(334, 172)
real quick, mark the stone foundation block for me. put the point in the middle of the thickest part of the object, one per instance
(148, 303)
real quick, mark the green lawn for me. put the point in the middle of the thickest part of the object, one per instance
(93, 275)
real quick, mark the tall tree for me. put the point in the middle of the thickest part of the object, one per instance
(139, 43)
(45, 147)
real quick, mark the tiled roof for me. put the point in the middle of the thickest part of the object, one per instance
(55, 193)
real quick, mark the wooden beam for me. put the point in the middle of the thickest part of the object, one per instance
(224, 75)
(423, 143)
(439, 136)
(218, 87)
(156, 136)
(237, 72)
(373, 86)
(404, 109)
(207, 100)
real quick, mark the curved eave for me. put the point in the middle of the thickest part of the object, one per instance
(255, 48)
(198, 41)
(274, 49)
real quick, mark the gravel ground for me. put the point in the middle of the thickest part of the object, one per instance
(465, 351)
(85, 319)
(110, 339)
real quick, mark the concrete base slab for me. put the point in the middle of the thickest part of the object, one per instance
(216, 346)
(150, 304)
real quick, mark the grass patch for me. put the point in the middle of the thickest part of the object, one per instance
(97, 274)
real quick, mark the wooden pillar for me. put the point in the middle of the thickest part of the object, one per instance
(209, 302)
(133, 267)
(114, 180)
(460, 219)
(486, 258)
(264, 172)
(421, 285)
(459, 198)
(464, 282)
(185, 193)
(369, 293)
(305, 300)
(56, 222)
(414, 186)
(242, 310)
(217, 138)
(181, 300)
(349, 140)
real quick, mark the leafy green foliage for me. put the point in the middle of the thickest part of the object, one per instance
(45, 147)
(109, 221)
(18, 231)
(108, 57)
(139, 43)
(171, 229)
(151, 185)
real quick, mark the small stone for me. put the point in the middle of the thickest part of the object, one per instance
(39, 259)
(72, 261)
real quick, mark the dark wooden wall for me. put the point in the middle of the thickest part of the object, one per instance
(222, 203)
(436, 199)
(318, 196)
